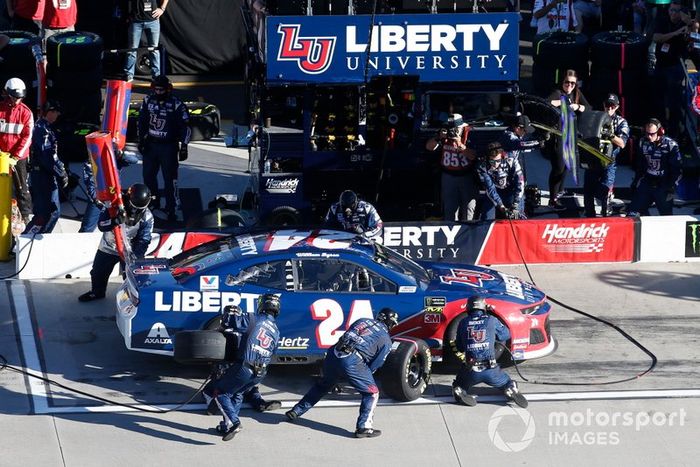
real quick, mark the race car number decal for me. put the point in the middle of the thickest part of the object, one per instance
(324, 239)
(331, 315)
(467, 277)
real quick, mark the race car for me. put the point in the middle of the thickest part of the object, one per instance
(326, 280)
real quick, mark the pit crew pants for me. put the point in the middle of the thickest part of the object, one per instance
(46, 204)
(354, 368)
(597, 184)
(459, 195)
(157, 156)
(102, 267)
(235, 382)
(648, 192)
(495, 377)
(252, 396)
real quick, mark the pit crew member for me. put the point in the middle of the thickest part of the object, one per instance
(504, 183)
(353, 215)
(359, 352)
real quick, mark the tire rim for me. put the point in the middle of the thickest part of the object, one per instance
(415, 372)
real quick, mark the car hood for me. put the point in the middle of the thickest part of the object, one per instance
(470, 279)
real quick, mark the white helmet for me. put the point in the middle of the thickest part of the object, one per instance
(15, 87)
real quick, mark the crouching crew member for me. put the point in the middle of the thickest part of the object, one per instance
(355, 216)
(253, 357)
(476, 337)
(504, 183)
(358, 353)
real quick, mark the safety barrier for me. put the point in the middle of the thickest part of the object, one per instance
(670, 238)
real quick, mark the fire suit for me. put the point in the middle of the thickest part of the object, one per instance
(363, 220)
(504, 184)
(139, 234)
(255, 354)
(16, 124)
(359, 352)
(46, 168)
(476, 337)
(598, 181)
(516, 146)
(658, 172)
(162, 124)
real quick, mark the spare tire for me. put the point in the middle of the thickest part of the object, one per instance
(619, 50)
(205, 120)
(282, 216)
(203, 346)
(539, 110)
(71, 145)
(223, 219)
(561, 49)
(406, 372)
(74, 51)
(17, 54)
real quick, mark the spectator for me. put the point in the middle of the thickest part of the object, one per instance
(144, 16)
(598, 181)
(457, 162)
(26, 15)
(658, 171)
(516, 139)
(137, 221)
(670, 37)
(579, 104)
(588, 12)
(163, 123)
(59, 16)
(557, 15)
(504, 183)
(46, 171)
(16, 124)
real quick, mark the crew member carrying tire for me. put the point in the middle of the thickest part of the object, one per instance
(163, 123)
(476, 337)
(358, 353)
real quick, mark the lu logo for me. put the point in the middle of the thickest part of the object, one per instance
(312, 54)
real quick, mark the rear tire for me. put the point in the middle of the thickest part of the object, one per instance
(282, 216)
(199, 347)
(406, 372)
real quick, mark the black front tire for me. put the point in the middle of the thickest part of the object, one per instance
(193, 347)
(406, 372)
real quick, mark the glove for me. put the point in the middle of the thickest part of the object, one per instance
(64, 180)
(182, 155)
(99, 204)
(357, 228)
(513, 213)
(142, 146)
(120, 218)
(607, 133)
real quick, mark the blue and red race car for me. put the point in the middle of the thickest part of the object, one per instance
(326, 280)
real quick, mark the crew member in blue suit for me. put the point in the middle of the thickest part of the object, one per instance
(504, 183)
(253, 357)
(359, 352)
(234, 324)
(355, 216)
(476, 338)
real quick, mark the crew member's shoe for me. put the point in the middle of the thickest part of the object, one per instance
(367, 433)
(517, 397)
(291, 415)
(231, 432)
(269, 405)
(461, 397)
(90, 296)
(556, 205)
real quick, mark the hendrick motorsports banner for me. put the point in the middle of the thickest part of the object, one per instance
(333, 49)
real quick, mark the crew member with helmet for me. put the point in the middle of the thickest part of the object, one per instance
(163, 138)
(46, 171)
(359, 352)
(253, 357)
(476, 338)
(16, 125)
(137, 223)
(657, 173)
(504, 183)
(517, 139)
(234, 324)
(354, 215)
(598, 181)
(458, 183)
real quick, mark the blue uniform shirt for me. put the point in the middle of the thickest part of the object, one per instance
(43, 152)
(660, 161)
(370, 339)
(477, 335)
(164, 121)
(261, 340)
(365, 216)
(505, 175)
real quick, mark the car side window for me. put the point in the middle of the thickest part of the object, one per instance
(271, 274)
(334, 275)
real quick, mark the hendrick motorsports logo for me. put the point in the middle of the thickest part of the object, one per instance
(692, 239)
(586, 238)
(496, 428)
(285, 185)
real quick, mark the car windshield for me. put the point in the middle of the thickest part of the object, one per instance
(205, 255)
(400, 264)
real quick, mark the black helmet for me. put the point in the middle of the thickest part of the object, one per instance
(389, 317)
(269, 304)
(476, 302)
(348, 200)
(139, 196)
(51, 104)
(161, 81)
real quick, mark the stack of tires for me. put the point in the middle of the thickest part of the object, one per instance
(554, 53)
(18, 62)
(74, 74)
(619, 65)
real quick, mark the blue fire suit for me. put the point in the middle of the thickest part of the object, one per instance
(45, 169)
(658, 172)
(235, 326)
(358, 353)
(162, 124)
(504, 184)
(516, 146)
(599, 180)
(254, 356)
(364, 220)
(476, 337)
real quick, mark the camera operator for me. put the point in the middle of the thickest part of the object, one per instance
(457, 162)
